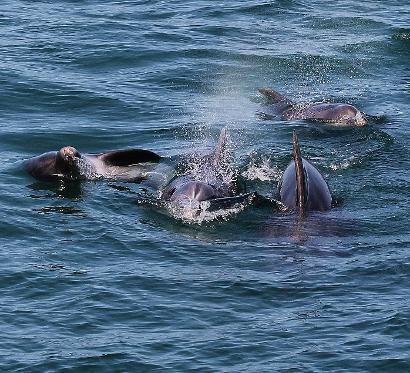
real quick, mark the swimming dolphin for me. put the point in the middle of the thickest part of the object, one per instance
(211, 179)
(342, 114)
(69, 164)
(302, 187)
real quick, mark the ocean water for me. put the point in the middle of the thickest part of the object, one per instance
(93, 280)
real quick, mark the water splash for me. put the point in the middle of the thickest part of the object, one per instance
(194, 212)
(87, 170)
(344, 165)
(263, 171)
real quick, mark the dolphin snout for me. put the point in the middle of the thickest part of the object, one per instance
(355, 116)
(69, 153)
(360, 119)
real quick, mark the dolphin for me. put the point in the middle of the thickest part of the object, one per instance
(342, 114)
(210, 179)
(69, 164)
(302, 187)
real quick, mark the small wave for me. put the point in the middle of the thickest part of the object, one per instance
(222, 177)
(344, 165)
(262, 171)
(403, 34)
(66, 210)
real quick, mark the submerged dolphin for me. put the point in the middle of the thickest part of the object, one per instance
(302, 187)
(339, 113)
(69, 164)
(212, 179)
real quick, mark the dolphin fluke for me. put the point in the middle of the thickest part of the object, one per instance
(128, 157)
(301, 192)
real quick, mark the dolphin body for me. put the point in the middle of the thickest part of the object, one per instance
(69, 164)
(339, 113)
(302, 187)
(212, 181)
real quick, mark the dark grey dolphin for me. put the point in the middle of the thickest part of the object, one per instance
(342, 114)
(211, 180)
(69, 164)
(302, 187)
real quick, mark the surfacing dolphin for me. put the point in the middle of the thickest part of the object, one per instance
(338, 113)
(209, 179)
(69, 164)
(302, 187)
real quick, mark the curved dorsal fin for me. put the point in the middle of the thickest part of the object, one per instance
(300, 176)
(220, 148)
(128, 157)
(273, 96)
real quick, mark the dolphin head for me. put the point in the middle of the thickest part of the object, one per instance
(350, 115)
(194, 191)
(187, 196)
(360, 119)
(346, 113)
(67, 161)
(68, 154)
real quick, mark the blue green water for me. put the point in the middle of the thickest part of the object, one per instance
(93, 281)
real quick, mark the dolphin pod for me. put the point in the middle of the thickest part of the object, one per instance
(338, 113)
(302, 188)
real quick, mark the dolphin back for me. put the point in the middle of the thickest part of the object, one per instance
(42, 167)
(302, 186)
(319, 197)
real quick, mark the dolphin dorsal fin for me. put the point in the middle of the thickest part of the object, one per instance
(274, 97)
(220, 148)
(300, 176)
(128, 157)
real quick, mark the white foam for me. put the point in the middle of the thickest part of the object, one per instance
(87, 170)
(196, 212)
(344, 164)
(262, 171)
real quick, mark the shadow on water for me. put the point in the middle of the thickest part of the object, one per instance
(321, 130)
(303, 230)
(70, 191)
(63, 189)
(59, 268)
(212, 226)
(258, 224)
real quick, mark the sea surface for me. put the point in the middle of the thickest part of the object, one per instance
(95, 279)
